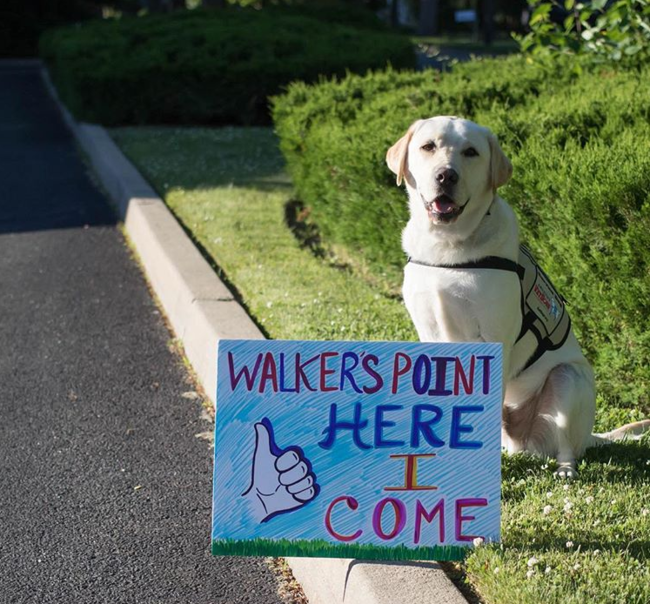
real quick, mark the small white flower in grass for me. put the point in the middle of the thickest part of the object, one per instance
(545, 466)
(549, 494)
(566, 487)
(566, 500)
(589, 500)
(596, 552)
(576, 566)
(613, 502)
(478, 541)
(567, 506)
(496, 570)
(532, 562)
(647, 463)
(547, 570)
(569, 544)
(342, 327)
(645, 512)
(597, 522)
(547, 509)
(269, 305)
(530, 573)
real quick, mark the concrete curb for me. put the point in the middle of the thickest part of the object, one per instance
(202, 310)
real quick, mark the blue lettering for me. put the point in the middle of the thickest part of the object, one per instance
(423, 427)
(356, 425)
(457, 428)
(381, 423)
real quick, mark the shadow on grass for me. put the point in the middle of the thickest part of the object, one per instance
(618, 463)
(195, 158)
(553, 542)
(621, 465)
(307, 234)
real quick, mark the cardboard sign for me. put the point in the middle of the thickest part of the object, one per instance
(376, 450)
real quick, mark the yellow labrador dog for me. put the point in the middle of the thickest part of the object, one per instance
(468, 280)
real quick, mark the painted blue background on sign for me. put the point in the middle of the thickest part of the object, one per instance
(300, 419)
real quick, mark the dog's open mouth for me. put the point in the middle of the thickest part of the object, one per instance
(443, 209)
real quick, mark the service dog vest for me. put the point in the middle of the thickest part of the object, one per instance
(543, 309)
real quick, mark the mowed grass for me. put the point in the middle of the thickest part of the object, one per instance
(588, 541)
(227, 186)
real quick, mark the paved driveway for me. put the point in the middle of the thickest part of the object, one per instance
(104, 486)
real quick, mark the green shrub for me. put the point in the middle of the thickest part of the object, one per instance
(350, 13)
(204, 66)
(601, 30)
(581, 186)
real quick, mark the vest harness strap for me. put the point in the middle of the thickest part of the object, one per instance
(543, 309)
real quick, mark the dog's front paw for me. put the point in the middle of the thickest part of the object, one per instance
(566, 472)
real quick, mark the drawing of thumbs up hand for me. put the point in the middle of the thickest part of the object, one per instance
(282, 480)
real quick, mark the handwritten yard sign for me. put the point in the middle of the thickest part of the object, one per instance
(356, 449)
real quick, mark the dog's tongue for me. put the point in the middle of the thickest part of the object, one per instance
(443, 206)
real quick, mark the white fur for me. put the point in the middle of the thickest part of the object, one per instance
(549, 408)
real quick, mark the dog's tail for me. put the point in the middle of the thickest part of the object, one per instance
(633, 431)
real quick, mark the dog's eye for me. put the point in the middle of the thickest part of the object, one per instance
(471, 152)
(430, 146)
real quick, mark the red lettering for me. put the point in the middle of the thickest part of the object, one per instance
(460, 376)
(324, 371)
(353, 504)
(397, 371)
(463, 503)
(269, 373)
(421, 512)
(400, 518)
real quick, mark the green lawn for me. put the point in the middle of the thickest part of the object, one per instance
(585, 542)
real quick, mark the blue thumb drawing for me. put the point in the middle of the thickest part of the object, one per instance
(282, 480)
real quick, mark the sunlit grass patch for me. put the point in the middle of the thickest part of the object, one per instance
(228, 187)
(563, 543)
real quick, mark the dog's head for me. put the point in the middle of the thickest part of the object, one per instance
(452, 168)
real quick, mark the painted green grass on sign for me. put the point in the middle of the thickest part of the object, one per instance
(588, 541)
(323, 549)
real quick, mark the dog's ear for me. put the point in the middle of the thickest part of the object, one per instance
(397, 155)
(500, 166)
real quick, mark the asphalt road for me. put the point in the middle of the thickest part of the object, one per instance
(104, 486)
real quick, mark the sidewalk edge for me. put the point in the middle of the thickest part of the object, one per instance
(201, 311)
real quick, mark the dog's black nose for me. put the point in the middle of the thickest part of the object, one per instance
(447, 176)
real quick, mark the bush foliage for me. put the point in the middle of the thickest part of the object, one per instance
(199, 66)
(581, 184)
(600, 30)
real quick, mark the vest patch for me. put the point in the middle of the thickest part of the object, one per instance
(544, 308)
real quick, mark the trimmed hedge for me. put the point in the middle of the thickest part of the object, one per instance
(215, 66)
(581, 185)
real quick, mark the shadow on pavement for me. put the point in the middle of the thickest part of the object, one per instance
(42, 183)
